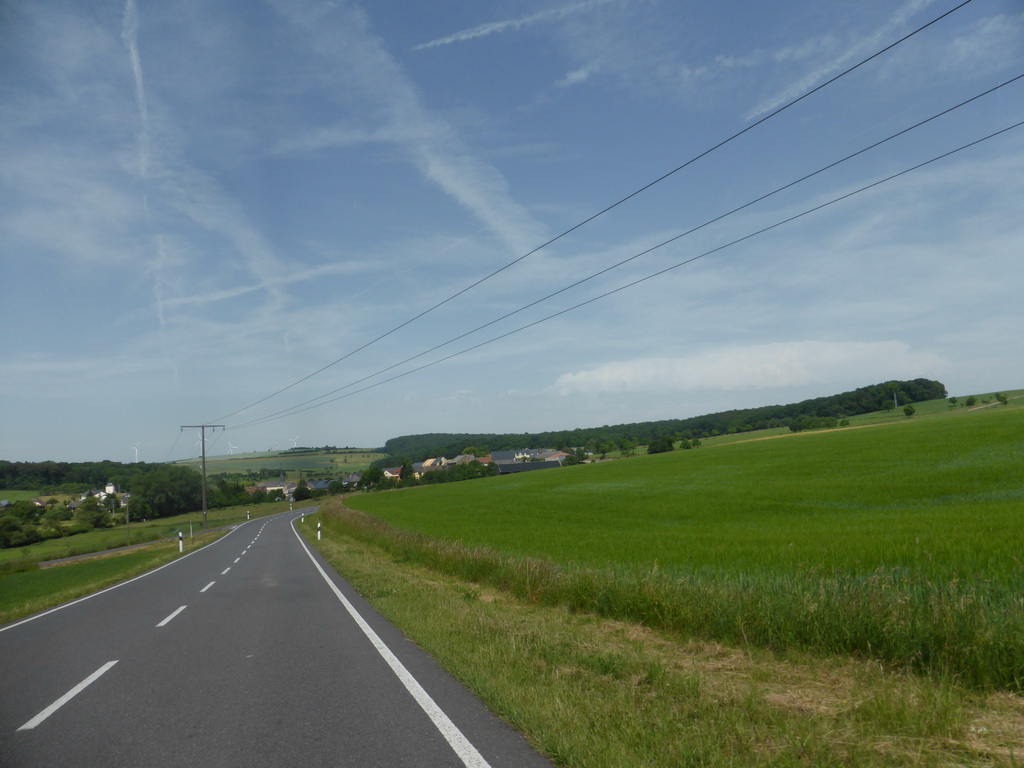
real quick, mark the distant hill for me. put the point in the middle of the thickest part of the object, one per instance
(819, 411)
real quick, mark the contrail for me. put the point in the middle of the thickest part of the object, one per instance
(500, 26)
(129, 33)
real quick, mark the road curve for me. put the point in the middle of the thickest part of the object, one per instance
(249, 652)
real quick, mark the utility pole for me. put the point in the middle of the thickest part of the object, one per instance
(202, 438)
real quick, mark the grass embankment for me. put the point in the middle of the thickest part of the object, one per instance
(25, 588)
(27, 592)
(598, 693)
(901, 544)
(138, 532)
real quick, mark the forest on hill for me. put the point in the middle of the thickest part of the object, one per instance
(815, 413)
(75, 477)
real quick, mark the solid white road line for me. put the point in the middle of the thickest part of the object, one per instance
(207, 587)
(168, 619)
(67, 697)
(466, 752)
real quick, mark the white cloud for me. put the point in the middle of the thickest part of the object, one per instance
(856, 50)
(343, 42)
(578, 76)
(786, 364)
(988, 43)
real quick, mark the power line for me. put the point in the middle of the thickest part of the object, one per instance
(603, 211)
(655, 247)
(293, 412)
(173, 446)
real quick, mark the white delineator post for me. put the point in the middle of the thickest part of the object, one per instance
(318, 531)
(181, 542)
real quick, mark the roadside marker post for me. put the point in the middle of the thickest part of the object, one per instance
(181, 542)
(247, 517)
(318, 531)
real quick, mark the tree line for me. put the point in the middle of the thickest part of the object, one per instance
(156, 491)
(815, 413)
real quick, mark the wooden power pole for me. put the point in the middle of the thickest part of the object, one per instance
(202, 439)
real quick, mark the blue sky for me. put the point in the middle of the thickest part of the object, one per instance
(202, 203)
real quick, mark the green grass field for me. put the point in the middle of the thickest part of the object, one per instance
(602, 693)
(941, 497)
(311, 464)
(13, 496)
(26, 592)
(901, 542)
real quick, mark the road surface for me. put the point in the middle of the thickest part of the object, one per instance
(249, 652)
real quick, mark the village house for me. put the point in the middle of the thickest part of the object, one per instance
(273, 488)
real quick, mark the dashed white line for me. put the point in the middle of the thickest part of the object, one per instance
(237, 559)
(168, 619)
(34, 617)
(225, 570)
(67, 697)
(207, 586)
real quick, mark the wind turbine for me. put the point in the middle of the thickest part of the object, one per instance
(136, 449)
(231, 448)
(295, 441)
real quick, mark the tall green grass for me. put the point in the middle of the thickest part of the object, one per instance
(901, 543)
(602, 693)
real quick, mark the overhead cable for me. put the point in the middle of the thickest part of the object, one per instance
(676, 238)
(293, 412)
(603, 211)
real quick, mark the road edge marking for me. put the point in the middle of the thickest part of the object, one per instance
(466, 752)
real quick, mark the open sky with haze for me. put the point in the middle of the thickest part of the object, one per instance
(205, 203)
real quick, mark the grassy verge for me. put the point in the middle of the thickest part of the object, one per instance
(592, 692)
(900, 543)
(150, 530)
(23, 593)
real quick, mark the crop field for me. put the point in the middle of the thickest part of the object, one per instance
(13, 496)
(941, 498)
(290, 464)
(901, 542)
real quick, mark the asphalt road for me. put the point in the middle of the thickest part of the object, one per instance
(249, 652)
